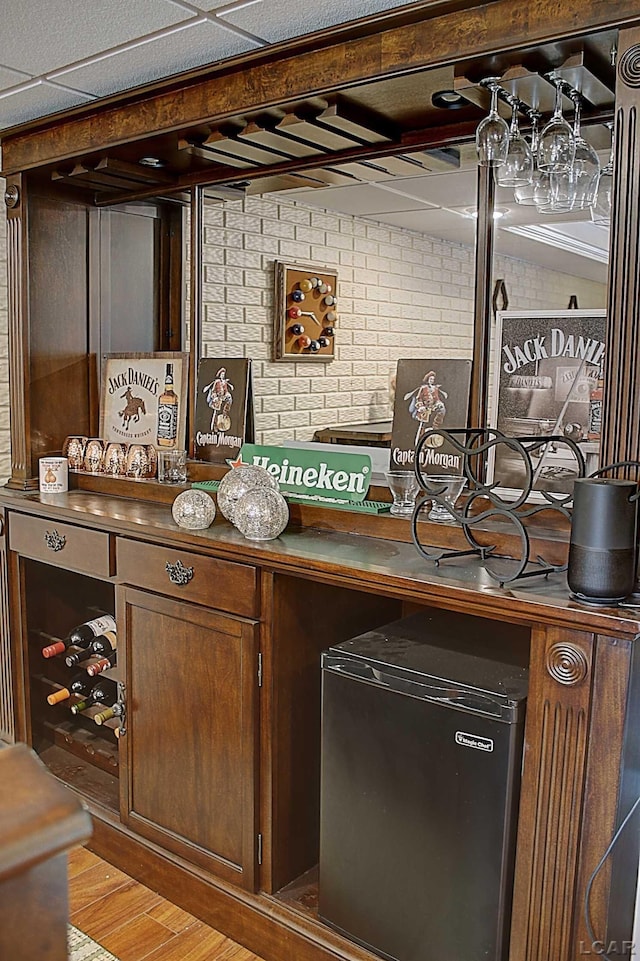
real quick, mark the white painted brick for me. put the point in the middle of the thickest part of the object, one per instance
(294, 250)
(295, 214)
(322, 220)
(223, 275)
(278, 402)
(256, 278)
(244, 258)
(306, 235)
(278, 228)
(242, 295)
(244, 222)
(265, 422)
(293, 418)
(338, 241)
(212, 255)
(265, 243)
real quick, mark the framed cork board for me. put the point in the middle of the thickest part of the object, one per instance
(306, 312)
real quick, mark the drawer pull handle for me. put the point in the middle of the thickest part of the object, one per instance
(178, 573)
(54, 540)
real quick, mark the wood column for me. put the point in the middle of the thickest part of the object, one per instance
(17, 273)
(482, 302)
(621, 404)
(550, 824)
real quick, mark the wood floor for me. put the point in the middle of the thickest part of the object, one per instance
(134, 923)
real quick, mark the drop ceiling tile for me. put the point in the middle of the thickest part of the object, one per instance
(435, 223)
(457, 188)
(361, 200)
(213, 5)
(37, 101)
(11, 78)
(38, 37)
(280, 19)
(185, 47)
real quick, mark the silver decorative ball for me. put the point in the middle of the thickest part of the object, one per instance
(261, 514)
(237, 482)
(193, 509)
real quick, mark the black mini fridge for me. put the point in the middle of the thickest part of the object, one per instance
(422, 737)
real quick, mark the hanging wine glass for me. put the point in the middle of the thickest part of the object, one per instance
(537, 192)
(601, 207)
(492, 135)
(557, 147)
(517, 169)
(585, 170)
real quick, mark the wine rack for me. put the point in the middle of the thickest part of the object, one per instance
(83, 754)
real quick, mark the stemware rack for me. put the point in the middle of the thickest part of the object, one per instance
(492, 505)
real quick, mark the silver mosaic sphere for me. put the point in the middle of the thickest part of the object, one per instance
(193, 509)
(261, 514)
(237, 482)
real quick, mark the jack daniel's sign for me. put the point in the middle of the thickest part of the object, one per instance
(143, 399)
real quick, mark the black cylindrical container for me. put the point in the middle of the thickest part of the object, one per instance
(602, 549)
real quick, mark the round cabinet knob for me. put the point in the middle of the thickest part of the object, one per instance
(294, 312)
(304, 342)
(297, 296)
(306, 286)
(314, 346)
(297, 329)
(330, 316)
(323, 341)
(329, 331)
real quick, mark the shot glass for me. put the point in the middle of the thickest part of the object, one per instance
(172, 466)
(448, 487)
(404, 487)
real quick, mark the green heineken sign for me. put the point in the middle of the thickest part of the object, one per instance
(318, 475)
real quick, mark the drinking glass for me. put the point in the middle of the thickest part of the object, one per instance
(404, 487)
(448, 488)
(557, 147)
(172, 466)
(575, 188)
(537, 192)
(492, 135)
(601, 206)
(517, 169)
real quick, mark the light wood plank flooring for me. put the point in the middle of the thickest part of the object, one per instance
(134, 923)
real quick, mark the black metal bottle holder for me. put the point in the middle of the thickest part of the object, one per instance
(475, 446)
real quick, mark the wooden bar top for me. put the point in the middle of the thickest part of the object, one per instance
(360, 562)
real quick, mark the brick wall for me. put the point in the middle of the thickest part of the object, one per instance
(401, 294)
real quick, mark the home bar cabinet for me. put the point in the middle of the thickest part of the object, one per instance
(210, 792)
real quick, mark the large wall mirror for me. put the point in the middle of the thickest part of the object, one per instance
(400, 229)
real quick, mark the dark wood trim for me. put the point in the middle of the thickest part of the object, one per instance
(482, 317)
(621, 402)
(317, 66)
(195, 306)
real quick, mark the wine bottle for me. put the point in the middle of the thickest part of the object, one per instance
(104, 664)
(82, 635)
(57, 645)
(168, 412)
(116, 710)
(102, 692)
(102, 646)
(595, 408)
(80, 685)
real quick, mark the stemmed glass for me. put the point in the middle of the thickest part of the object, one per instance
(601, 207)
(575, 189)
(517, 169)
(492, 135)
(537, 192)
(557, 148)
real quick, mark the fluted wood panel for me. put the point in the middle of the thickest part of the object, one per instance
(7, 725)
(549, 829)
(621, 409)
(18, 339)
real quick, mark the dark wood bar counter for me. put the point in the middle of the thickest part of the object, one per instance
(269, 610)
(205, 781)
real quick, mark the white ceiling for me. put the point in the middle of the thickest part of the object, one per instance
(57, 54)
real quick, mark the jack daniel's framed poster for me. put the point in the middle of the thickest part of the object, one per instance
(547, 380)
(224, 408)
(143, 398)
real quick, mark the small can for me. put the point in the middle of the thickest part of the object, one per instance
(54, 475)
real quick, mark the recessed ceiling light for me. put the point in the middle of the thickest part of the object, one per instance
(448, 99)
(498, 213)
(151, 162)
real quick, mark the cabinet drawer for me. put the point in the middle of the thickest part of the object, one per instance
(47, 540)
(223, 585)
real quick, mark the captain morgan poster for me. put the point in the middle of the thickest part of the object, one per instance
(429, 394)
(224, 408)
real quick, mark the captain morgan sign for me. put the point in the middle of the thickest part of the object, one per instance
(318, 475)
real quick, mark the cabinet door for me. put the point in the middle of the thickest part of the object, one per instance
(191, 678)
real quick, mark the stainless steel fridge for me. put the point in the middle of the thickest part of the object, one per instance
(422, 738)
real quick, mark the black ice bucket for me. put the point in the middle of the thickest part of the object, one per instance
(603, 544)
